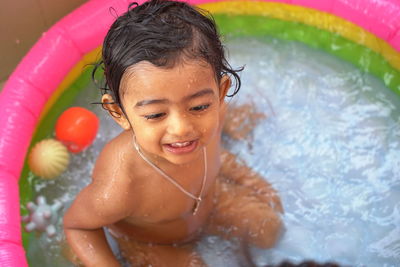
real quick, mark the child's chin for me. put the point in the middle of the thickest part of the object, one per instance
(180, 160)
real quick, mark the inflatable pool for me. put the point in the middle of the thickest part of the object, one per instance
(365, 33)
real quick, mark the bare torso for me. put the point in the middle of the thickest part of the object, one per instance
(157, 211)
(138, 204)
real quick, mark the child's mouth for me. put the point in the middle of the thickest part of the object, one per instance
(181, 147)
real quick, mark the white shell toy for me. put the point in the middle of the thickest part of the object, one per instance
(48, 158)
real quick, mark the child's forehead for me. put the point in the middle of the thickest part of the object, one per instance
(145, 74)
(180, 65)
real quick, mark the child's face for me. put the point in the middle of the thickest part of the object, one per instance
(174, 112)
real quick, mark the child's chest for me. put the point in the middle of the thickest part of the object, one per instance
(165, 197)
(163, 200)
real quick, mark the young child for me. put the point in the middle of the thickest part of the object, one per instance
(160, 184)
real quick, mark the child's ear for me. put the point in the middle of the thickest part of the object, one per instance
(115, 111)
(224, 86)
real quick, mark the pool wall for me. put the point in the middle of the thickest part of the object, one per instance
(56, 61)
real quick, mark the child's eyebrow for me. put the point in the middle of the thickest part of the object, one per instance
(151, 101)
(163, 100)
(200, 93)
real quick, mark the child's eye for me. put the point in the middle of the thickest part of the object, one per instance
(200, 108)
(154, 116)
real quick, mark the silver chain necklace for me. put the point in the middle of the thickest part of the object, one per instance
(172, 180)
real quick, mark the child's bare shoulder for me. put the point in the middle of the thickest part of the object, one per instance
(115, 159)
(111, 183)
(112, 171)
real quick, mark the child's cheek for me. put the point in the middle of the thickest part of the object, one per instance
(148, 133)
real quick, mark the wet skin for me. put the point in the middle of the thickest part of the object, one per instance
(173, 113)
(165, 108)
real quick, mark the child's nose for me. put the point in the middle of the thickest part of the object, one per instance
(180, 125)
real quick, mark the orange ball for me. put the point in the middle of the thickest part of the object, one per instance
(76, 128)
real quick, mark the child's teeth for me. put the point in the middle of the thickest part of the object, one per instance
(180, 144)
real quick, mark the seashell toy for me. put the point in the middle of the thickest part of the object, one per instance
(48, 158)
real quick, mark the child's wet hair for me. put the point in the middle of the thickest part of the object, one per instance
(163, 33)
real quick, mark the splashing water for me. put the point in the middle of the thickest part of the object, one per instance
(329, 144)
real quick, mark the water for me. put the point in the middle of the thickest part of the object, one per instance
(329, 144)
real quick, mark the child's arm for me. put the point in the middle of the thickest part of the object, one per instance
(240, 120)
(94, 207)
(236, 171)
(91, 248)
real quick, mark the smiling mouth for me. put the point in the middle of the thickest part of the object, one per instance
(181, 147)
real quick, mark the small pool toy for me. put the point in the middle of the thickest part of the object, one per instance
(76, 128)
(42, 216)
(48, 158)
